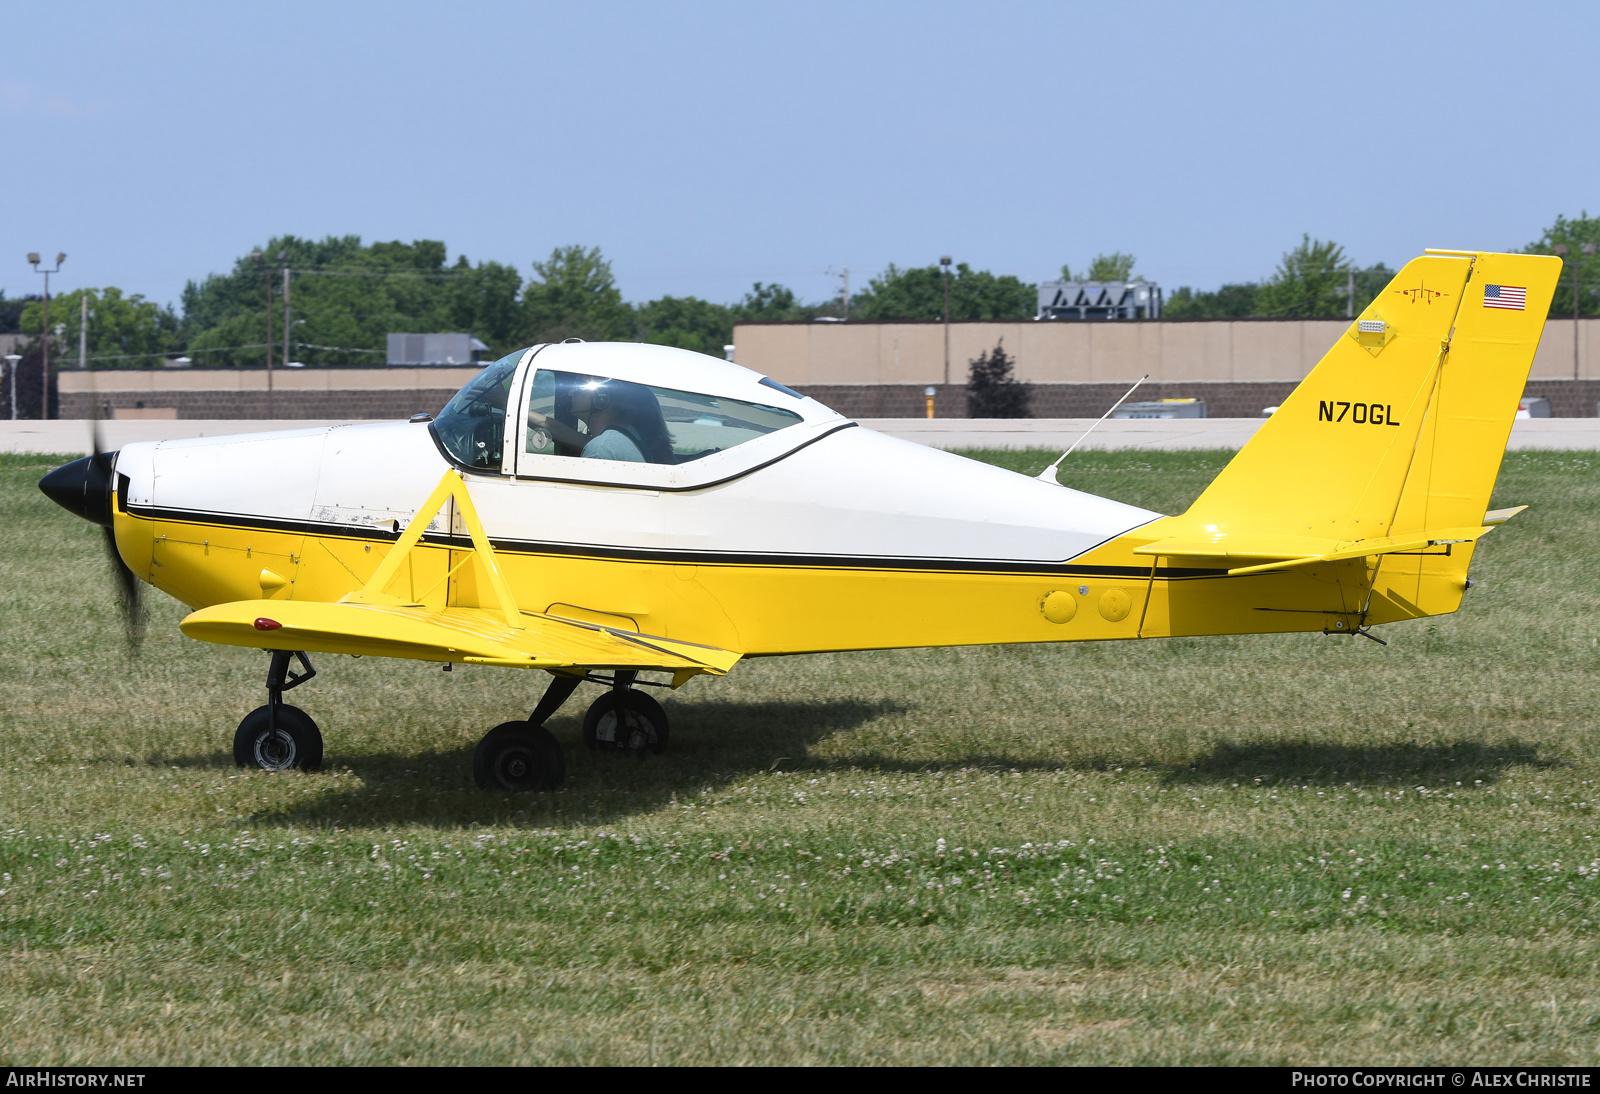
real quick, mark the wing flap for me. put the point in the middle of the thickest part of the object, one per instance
(468, 635)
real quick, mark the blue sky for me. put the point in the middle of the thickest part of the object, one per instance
(707, 146)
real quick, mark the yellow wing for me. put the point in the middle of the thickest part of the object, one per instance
(475, 636)
(374, 623)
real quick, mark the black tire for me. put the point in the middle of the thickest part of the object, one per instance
(518, 757)
(626, 720)
(296, 745)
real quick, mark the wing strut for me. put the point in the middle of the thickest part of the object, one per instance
(451, 486)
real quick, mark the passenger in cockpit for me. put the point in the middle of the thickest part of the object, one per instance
(624, 422)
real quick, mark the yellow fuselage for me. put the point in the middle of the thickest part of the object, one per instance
(1108, 593)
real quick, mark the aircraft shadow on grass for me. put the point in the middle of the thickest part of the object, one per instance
(1277, 763)
(1405, 763)
(719, 744)
(714, 744)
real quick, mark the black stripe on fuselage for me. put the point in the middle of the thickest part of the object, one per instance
(687, 558)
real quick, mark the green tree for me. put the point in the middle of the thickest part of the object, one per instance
(1308, 283)
(773, 303)
(346, 297)
(918, 293)
(484, 300)
(1235, 301)
(1573, 233)
(11, 312)
(574, 295)
(1369, 283)
(686, 322)
(1115, 266)
(1242, 300)
(129, 330)
(992, 390)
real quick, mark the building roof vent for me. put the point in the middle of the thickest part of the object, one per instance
(1099, 300)
(435, 349)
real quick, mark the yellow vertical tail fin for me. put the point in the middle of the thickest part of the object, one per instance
(1399, 431)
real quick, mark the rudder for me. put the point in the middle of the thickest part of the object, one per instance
(1463, 440)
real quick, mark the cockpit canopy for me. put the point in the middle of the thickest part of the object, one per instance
(554, 411)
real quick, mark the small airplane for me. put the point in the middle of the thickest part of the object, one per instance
(603, 511)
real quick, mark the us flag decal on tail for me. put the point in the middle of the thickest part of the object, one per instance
(1509, 297)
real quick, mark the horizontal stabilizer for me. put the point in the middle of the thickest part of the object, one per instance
(1268, 552)
(478, 636)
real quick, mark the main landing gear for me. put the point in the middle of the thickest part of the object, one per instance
(625, 720)
(513, 756)
(277, 737)
(524, 756)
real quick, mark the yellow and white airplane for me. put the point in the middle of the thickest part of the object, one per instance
(626, 509)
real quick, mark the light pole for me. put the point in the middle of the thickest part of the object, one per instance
(13, 358)
(944, 269)
(1562, 252)
(33, 260)
(283, 261)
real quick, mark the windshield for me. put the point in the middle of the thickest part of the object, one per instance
(570, 414)
(472, 426)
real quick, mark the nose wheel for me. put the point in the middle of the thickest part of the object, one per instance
(279, 737)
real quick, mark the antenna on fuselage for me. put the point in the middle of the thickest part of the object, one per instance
(1049, 473)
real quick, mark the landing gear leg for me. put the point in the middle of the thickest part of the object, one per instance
(278, 736)
(559, 691)
(625, 719)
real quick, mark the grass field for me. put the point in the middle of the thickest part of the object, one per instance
(1231, 850)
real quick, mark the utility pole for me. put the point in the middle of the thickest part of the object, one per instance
(83, 332)
(1350, 292)
(1588, 252)
(944, 264)
(283, 260)
(1577, 389)
(844, 297)
(267, 280)
(33, 260)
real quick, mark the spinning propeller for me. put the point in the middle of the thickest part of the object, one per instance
(87, 487)
(129, 604)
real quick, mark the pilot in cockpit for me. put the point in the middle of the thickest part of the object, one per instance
(624, 422)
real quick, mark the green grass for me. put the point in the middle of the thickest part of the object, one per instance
(1232, 850)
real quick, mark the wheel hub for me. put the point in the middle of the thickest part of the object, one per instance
(626, 729)
(514, 769)
(275, 750)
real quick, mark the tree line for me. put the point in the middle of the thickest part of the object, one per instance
(346, 296)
